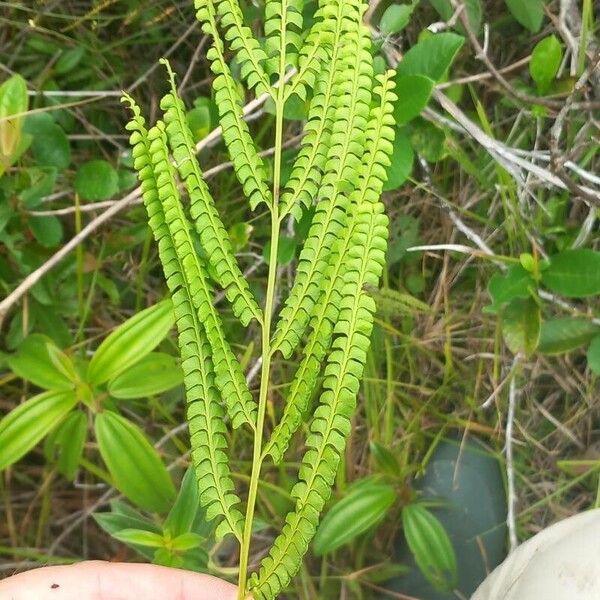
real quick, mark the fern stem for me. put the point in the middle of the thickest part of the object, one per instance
(267, 353)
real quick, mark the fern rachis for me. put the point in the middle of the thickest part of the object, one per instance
(341, 169)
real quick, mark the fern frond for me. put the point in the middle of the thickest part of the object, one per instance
(311, 58)
(213, 236)
(248, 165)
(283, 27)
(249, 54)
(229, 377)
(204, 411)
(303, 183)
(341, 172)
(379, 135)
(331, 424)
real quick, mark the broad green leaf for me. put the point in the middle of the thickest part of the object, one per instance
(186, 541)
(432, 56)
(545, 62)
(47, 230)
(285, 251)
(473, 8)
(356, 513)
(563, 335)
(22, 428)
(136, 469)
(395, 18)
(41, 183)
(13, 101)
(430, 546)
(65, 444)
(573, 273)
(239, 234)
(427, 140)
(62, 362)
(384, 459)
(140, 537)
(69, 59)
(32, 362)
(521, 326)
(504, 287)
(593, 356)
(529, 13)
(401, 161)
(131, 341)
(413, 93)
(184, 511)
(116, 521)
(154, 374)
(96, 180)
(199, 121)
(50, 144)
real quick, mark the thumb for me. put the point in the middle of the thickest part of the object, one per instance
(97, 580)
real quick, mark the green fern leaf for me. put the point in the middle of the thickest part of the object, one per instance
(209, 226)
(283, 27)
(331, 424)
(248, 165)
(303, 183)
(250, 56)
(380, 135)
(205, 414)
(346, 148)
(229, 377)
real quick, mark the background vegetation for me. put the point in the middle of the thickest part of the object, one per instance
(487, 322)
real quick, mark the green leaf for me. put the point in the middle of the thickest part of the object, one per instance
(563, 335)
(131, 341)
(22, 428)
(140, 537)
(385, 460)
(546, 59)
(239, 234)
(153, 374)
(199, 121)
(48, 231)
(187, 541)
(136, 469)
(504, 287)
(395, 18)
(432, 56)
(181, 517)
(430, 546)
(13, 101)
(529, 13)
(593, 356)
(65, 444)
(413, 93)
(285, 251)
(50, 144)
(69, 59)
(96, 180)
(358, 512)
(32, 362)
(41, 183)
(573, 273)
(427, 140)
(401, 161)
(521, 326)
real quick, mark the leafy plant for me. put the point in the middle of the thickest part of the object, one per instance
(123, 367)
(340, 169)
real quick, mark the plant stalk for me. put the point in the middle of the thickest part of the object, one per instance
(266, 351)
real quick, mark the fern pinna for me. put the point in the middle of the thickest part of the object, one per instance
(327, 316)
